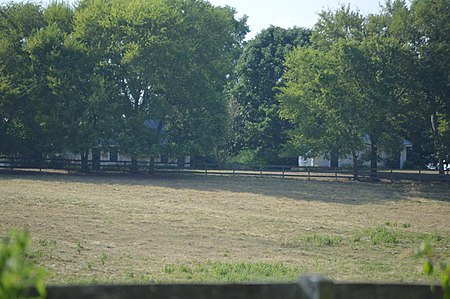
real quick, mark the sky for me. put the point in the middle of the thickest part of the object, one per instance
(283, 13)
(288, 13)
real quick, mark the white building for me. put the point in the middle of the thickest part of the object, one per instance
(112, 156)
(348, 161)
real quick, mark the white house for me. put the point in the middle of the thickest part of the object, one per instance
(348, 161)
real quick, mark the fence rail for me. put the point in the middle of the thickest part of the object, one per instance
(282, 171)
(308, 287)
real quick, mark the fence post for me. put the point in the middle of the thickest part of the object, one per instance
(206, 170)
(316, 287)
(392, 175)
(233, 168)
(335, 174)
(282, 174)
(309, 173)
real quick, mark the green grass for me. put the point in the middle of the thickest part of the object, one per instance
(389, 236)
(231, 272)
(323, 240)
(379, 235)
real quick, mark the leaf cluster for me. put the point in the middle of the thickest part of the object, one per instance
(17, 274)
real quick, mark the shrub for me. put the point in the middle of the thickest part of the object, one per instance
(17, 274)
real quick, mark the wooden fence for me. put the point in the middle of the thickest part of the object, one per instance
(281, 171)
(308, 287)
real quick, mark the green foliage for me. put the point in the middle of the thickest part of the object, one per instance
(320, 240)
(429, 268)
(231, 272)
(423, 27)
(16, 273)
(349, 85)
(258, 76)
(381, 235)
(245, 156)
(88, 76)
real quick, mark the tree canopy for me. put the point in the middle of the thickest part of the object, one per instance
(74, 78)
(101, 73)
(258, 76)
(366, 80)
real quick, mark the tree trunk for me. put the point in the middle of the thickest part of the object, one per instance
(437, 142)
(134, 165)
(84, 160)
(441, 165)
(334, 158)
(355, 165)
(373, 161)
(151, 169)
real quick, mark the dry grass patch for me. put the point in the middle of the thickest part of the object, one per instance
(140, 229)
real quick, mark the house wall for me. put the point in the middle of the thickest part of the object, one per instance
(348, 161)
(105, 156)
(403, 156)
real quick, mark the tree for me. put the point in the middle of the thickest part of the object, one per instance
(20, 130)
(375, 66)
(423, 28)
(431, 29)
(322, 105)
(258, 76)
(348, 87)
(199, 117)
(167, 60)
(75, 111)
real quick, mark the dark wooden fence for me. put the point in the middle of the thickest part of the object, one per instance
(308, 287)
(281, 171)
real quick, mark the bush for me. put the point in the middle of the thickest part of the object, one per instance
(429, 267)
(17, 274)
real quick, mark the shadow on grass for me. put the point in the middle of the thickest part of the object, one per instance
(328, 191)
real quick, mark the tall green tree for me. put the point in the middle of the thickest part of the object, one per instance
(322, 105)
(20, 129)
(258, 76)
(431, 44)
(423, 27)
(167, 60)
(351, 87)
(75, 110)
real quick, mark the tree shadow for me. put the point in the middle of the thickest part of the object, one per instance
(328, 191)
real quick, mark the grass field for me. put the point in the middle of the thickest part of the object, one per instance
(89, 229)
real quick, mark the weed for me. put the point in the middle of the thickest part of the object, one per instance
(90, 265)
(232, 272)
(320, 240)
(46, 243)
(379, 235)
(104, 257)
(395, 224)
(33, 255)
(130, 274)
(79, 247)
(169, 269)
(390, 224)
